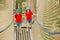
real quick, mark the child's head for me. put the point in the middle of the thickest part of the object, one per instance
(28, 10)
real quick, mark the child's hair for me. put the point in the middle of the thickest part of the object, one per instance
(29, 10)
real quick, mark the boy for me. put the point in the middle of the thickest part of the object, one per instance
(18, 18)
(28, 15)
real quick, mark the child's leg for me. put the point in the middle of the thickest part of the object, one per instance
(20, 25)
(28, 24)
(29, 21)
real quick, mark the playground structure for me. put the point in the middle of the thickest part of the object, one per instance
(46, 24)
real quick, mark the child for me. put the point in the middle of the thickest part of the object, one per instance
(28, 15)
(18, 18)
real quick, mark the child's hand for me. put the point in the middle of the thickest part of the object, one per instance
(14, 19)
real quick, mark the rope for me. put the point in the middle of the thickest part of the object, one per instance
(41, 26)
(46, 30)
(7, 25)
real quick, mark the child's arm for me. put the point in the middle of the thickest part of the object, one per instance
(14, 17)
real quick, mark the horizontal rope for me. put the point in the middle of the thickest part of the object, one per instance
(46, 30)
(7, 25)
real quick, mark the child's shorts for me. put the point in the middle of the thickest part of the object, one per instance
(19, 24)
(28, 21)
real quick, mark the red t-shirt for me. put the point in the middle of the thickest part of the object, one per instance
(29, 15)
(18, 17)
